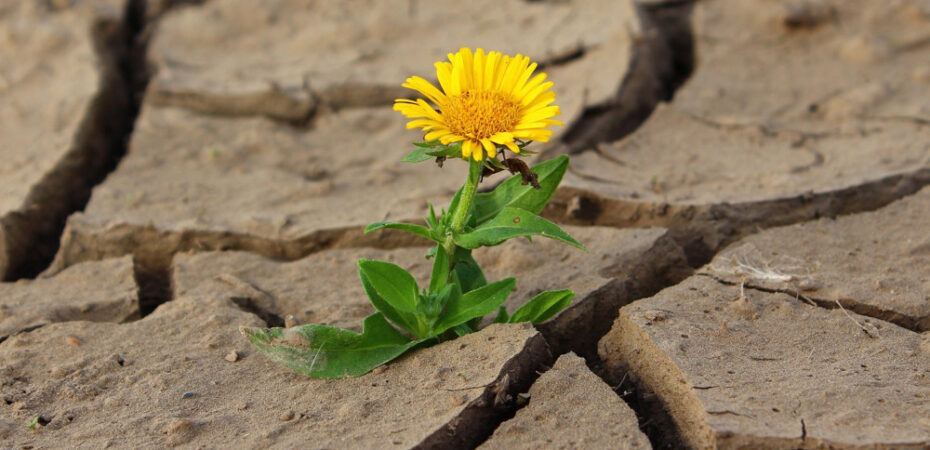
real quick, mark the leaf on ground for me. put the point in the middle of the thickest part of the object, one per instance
(320, 351)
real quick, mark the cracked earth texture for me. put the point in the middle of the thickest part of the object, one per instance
(750, 178)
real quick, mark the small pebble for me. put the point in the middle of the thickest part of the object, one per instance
(73, 340)
(290, 321)
(232, 356)
(287, 416)
(189, 395)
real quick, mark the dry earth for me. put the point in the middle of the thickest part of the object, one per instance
(749, 178)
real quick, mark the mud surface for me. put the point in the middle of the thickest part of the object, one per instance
(749, 178)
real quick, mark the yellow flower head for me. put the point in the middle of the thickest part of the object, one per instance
(486, 100)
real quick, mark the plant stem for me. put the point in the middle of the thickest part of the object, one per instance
(461, 213)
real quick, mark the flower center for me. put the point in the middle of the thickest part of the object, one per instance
(481, 114)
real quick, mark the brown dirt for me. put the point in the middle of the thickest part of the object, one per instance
(265, 142)
(570, 407)
(736, 370)
(166, 381)
(97, 291)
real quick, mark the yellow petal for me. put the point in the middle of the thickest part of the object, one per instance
(426, 124)
(450, 138)
(518, 86)
(426, 88)
(468, 147)
(513, 146)
(531, 85)
(489, 147)
(490, 70)
(530, 96)
(433, 135)
(542, 100)
(540, 114)
(502, 137)
(465, 58)
(428, 110)
(444, 75)
(478, 69)
(412, 111)
(512, 72)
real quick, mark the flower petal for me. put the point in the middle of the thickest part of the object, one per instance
(502, 137)
(518, 86)
(478, 69)
(450, 138)
(489, 147)
(465, 58)
(469, 147)
(543, 113)
(426, 88)
(444, 75)
(433, 135)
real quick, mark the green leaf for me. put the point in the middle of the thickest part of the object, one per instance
(513, 222)
(432, 149)
(320, 351)
(451, 150)
(393, 292)
(513, 193)
(428, 144)
(462, 329)
(431, 220)
(446, 219)
(501, 316)
(543, 306)
(476, 303)
(418, 230)
(440, 274)
(417, 155)
(467, 272)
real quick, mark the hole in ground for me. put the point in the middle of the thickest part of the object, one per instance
(663, 59)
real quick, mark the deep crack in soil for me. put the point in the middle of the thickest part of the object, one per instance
(662, 61)
(31, 235)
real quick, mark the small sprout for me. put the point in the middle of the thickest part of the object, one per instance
(33, 424)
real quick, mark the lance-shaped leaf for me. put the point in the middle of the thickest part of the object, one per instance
(510, 223)
(440, 273)
(468, 273)
(432, 149)
(320, 351)
(418, 230)
(513, 193)
(543, 306)
(418, 154)
(393, 292)
(476, 303)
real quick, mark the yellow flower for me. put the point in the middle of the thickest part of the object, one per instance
(486, 100)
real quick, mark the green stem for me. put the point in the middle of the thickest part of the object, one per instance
(461, 213)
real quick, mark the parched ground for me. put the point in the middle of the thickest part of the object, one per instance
(751, 179)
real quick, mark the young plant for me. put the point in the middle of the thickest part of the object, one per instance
(489, 105)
